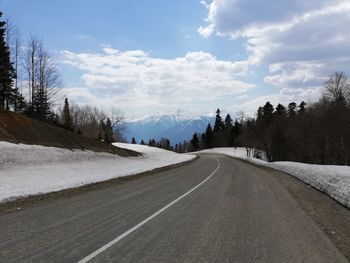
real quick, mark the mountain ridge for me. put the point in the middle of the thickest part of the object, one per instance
(174, 127)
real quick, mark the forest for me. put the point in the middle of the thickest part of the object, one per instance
(317, 133)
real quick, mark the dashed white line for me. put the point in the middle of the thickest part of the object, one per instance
(117, 239)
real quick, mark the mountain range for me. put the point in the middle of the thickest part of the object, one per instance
(176, 128)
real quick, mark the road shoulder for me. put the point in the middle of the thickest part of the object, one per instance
(29, 201)
(328, 214)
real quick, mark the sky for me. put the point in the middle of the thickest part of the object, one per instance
(161, 56)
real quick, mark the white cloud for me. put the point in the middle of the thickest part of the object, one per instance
(205, 4)
(206, 31)
(135, 80)
(301, 42)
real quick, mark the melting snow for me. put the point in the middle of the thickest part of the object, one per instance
(32, 169)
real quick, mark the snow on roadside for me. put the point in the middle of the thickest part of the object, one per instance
(334, 180)
(32, 169)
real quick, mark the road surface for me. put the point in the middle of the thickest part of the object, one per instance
(215, 209)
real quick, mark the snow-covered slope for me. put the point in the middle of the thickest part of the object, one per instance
(334, 180)
(31, 169)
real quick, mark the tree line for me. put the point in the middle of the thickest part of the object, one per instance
(162, 143)
(92, 122)
(317, 133)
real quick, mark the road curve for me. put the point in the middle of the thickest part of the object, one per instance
(215, 209)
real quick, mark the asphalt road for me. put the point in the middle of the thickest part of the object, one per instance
(239, 214)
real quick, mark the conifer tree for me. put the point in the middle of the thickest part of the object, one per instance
(208, 137)
(133, 141)
(152, 143)
(291, 109)
(228, 122)
(235, 132)
(219, 125)
(302, 106)
(66, 117)
(267, 112)
(7, 72)
(280, 110)
(109, 132)
(195, 142)
(167, 144)
(142, 142)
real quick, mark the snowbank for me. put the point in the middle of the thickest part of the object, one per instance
(32, 169)
(333, 180)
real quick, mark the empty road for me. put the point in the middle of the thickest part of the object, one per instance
(215, 209)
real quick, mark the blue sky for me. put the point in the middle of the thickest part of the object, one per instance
(148, 57)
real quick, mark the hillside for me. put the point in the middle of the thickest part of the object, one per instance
(17, 128)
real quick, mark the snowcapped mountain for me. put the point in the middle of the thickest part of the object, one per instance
(176, 127)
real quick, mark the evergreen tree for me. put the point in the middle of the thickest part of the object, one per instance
(133, 141)
(235, 132)
(291, 109)
(302, 106)
(20, 103)
(109, 132)
(142, 142)
(219, 125)
(7, 72)
(152, 143)
(267, 112)
(195, 142)
(66, 117)
(228, 122)
(208, 137)
(167, 144)
(280, 110)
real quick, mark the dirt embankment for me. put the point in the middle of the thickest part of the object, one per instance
(17, 128)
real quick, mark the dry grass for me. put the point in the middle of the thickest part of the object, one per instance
(17, 128)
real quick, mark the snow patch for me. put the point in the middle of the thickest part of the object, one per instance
(32, 169)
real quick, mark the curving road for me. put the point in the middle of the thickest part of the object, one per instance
(215, 209)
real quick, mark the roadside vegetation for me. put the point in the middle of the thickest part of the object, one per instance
(30, 85)
(317, 133)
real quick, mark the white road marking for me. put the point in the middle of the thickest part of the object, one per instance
(117, 239)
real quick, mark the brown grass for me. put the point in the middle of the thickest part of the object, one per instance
(17, 128)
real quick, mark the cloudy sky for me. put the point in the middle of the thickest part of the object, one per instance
(159, 56)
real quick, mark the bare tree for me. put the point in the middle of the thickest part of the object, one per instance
(30, 66)
(337, 88)
(42, 76)
(14, 42)
(117, 118)
(49, 80)
(87, 120)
